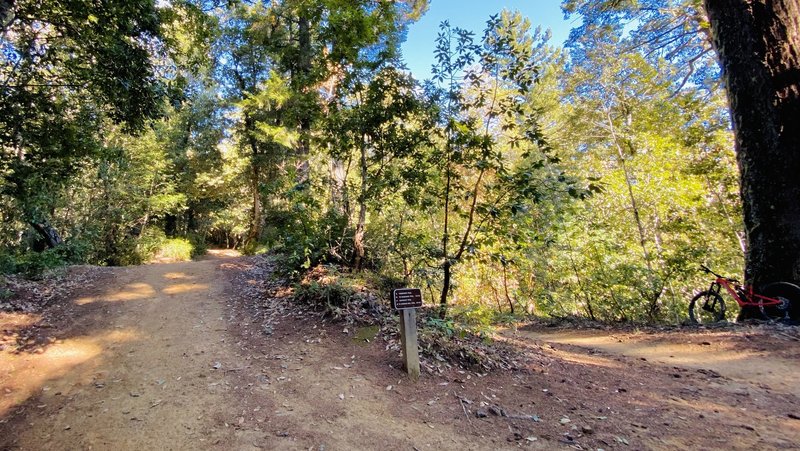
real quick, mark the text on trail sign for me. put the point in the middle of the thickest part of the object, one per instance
(405, 298)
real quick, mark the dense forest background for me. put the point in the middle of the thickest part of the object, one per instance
(523, 178)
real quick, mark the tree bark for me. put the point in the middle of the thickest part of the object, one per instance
(758, 43)
(255, 181)
(446, 272)
(48, 233)
(255, 226)
(304, 63)
(505, 289)
(358, 237)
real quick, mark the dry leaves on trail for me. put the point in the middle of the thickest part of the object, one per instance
(18, 294)
(358, 308)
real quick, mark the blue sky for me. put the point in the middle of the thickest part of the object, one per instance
(472, 15)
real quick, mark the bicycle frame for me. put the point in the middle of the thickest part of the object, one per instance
(737, 292)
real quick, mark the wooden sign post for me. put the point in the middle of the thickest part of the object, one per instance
(407, 300)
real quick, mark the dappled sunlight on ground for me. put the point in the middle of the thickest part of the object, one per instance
(181, 288)
(15, 321)
(224, 253)
(130, 292)
(135, 353)
(35, 362)
(581, 358)
(176, 283)
(178, 275)
(24, 375)
(723, 357)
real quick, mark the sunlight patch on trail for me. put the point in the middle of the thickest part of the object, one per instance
(185, 288)
(178, 275)
(24, 375)
(130, 292)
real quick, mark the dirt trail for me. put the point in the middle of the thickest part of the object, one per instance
(757, 361)
(135, 369)
(158, 360)
(214, 354)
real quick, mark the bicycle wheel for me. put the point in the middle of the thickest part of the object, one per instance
(706, 307)
(788, 294)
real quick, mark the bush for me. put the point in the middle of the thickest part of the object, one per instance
(325, 289)
(179, 249)
(33, 265)
(8, 264)
(199, 246)
(150, 243)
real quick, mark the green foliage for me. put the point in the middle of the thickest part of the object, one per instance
(32, 265)
(325, 289)
(198, 244)
(519, 181)
(444, 326)
(8, 264)
(177, 249)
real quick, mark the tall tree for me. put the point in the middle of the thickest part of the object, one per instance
(758, 43)
(492, 155)
(63, 67)
(672, 34)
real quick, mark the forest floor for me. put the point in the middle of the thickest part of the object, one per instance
(197, 356)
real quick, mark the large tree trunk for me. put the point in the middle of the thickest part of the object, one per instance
(47, 232)
(758, 42)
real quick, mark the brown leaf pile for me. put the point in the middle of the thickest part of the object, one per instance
(18, 294)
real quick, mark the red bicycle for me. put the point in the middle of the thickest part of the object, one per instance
(777, 301)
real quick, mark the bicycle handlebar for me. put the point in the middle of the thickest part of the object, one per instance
(706, 269)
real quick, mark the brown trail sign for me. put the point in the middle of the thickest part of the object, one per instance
(407, 300)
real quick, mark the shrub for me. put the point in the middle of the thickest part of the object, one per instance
(33, 265)
(199, 246)
(8, 264)
(178, 249)
(150, 243)
(325, 289)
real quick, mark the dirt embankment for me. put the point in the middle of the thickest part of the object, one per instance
(197, 356)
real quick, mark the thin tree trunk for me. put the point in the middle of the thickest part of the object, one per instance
(146, 218)
(255, 181)
(653, 306)
(587, 299)
(737, 233)
(505, 289)
(255, 225)
(358, 237)
(445, 241)
(634, 205)
(446, 270)
(337, 185)
(304, 63)
(496, 298)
